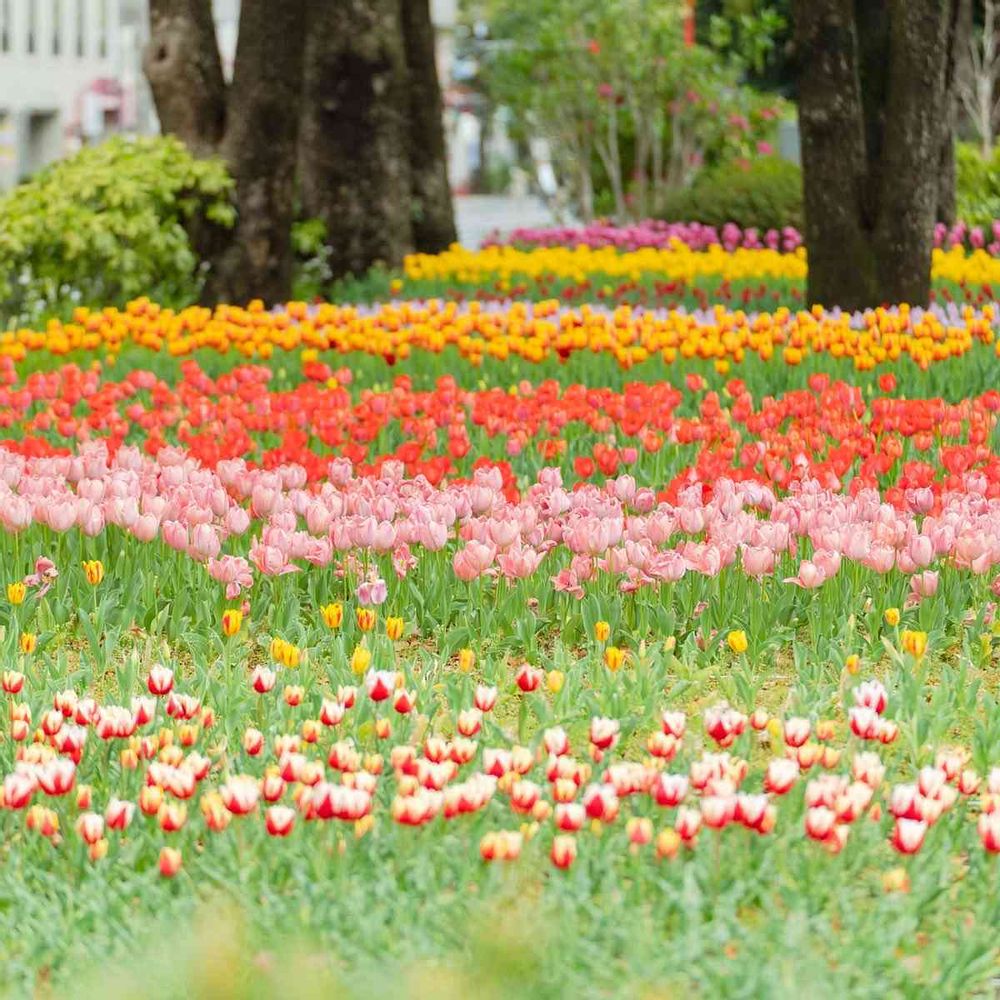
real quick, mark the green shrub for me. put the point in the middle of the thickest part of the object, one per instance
(977, 178)
(765, 193)
(107, 225)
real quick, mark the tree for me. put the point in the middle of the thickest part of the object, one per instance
(354, 144)
(876, 93)
(431, 213)
(252, 124)
(978, 86)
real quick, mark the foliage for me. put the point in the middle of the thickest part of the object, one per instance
(625, 105)
(765, 193)
(107, 225)
(977, 185)
(757, 32)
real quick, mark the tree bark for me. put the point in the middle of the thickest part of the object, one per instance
(832, 125)
(260, 147)
(957, 49)
(431, 214)
(252, 125)
(874, 100)
(184, 71)
(354, 164)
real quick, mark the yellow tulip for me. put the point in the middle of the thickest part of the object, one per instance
(332, 614)
(232, 621)
(361, 658)
(737, 640)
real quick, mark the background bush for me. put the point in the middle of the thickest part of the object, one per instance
(977, 192)
(765, 193)
(107, 225)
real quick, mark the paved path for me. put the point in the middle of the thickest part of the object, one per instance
(477, 215)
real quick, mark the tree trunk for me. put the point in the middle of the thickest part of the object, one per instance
(253, 125)
(260, 147)
(832, 125)
(431, 214)
(873, 96)
(353, 147)
(184, 71)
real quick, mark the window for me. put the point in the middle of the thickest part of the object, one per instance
(32, 27)
(56, 27)
(4, 25)
(102, 42)
(81, 28)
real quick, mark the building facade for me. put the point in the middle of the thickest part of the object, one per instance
(60, 79)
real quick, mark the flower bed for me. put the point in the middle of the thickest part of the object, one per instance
(451, 629)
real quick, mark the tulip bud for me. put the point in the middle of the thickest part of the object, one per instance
(333, 615)
(170, 862)
(232, 621)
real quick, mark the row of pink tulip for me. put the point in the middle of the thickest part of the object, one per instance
(699, 236)
(620, 529)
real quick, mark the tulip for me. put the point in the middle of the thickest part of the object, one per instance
(668, 843)
(908, 835)
(380, 684)
(614, 658)
(466, 660)
(118, 814)
(365, 619)
(528, 678)
(892, 617)
(12, 681)
(150, 799)
(796, 731)
(988, 827)
(253, 742)
(563, 851)
(604, 733)
(333, 615)
(819, 822)
(554, 680)
(172, 816)
(160, 681)
(28, 642)
(360, 660)
(394, 628)
(688, 824)
(16, 592)
(404, 701)
(737, 641)
(169, 862)
(232, 621)
(279, 821)
(485, 698)
(262, 680)
(90, 827)
(914, 643)
(94, 571)
(602, 631)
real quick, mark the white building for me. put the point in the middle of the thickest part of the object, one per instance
(60, 79)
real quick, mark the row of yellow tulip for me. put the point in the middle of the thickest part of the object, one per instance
(677, 263)
(533, 332)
